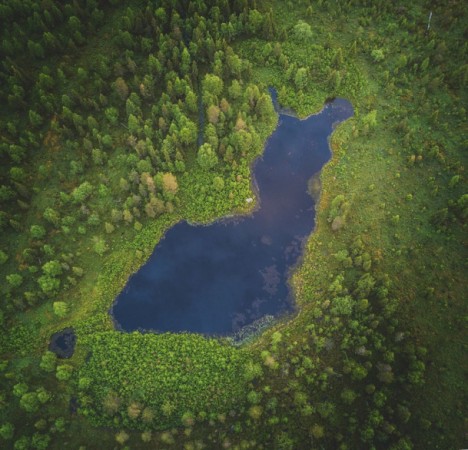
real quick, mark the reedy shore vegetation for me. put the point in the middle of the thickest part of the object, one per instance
(98, 143)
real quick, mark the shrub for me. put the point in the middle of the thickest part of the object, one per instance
(37, 231)
(60, 309)
(48, 361)
(64, 372)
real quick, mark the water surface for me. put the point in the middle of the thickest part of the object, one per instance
(63, 343)
(219, 278)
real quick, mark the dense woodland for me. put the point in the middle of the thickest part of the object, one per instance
(118, 119)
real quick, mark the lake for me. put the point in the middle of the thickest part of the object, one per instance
(219, 278)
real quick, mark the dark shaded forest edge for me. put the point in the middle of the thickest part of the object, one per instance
(99, 156)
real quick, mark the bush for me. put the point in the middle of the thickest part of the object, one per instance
(82, 192)
(6, 431)
(64, 372)
(60, 309)
(48, 361)
(37, 231)
(302, 31)
(15, 280)
(3, 257)
(206, 157)
(377, 55)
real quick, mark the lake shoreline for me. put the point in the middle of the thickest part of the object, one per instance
(236, 219)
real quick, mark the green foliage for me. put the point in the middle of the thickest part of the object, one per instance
(35, 118)
(82, 192)
(252, 370)
(317, 431)
(3, 257)
(52, 268)
(255, 412)
(30, 402)
(40, 441)
(300, 78)
(218, 183)
(370, 119)
(15, 280)
(64, 372)
(42, 395)
(23, 443)
(100, 245)
(60, 309)
(112, 115)
(190, 373)
(206, 157)
(37, 231)
(51, 216)
(48, 284)
(342, 305)
(302, 32)
(212, 85)
(6, 431)
(133, 124)
(348, 396)
(338, 212)
(48, 361)
(377, 55)
(121, 437)
(20, 389)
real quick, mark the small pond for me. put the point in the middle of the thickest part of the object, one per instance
(63, 343)
(220, 278)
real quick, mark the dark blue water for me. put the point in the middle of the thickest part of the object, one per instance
(63, 343)
(219, 278)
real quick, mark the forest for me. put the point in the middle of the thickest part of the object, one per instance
(119, 119)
